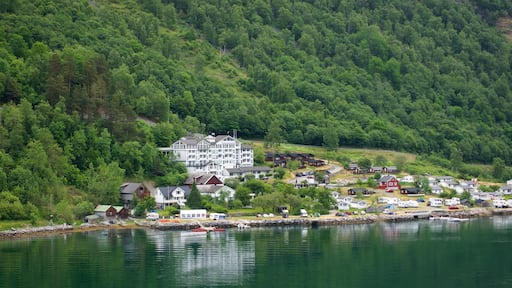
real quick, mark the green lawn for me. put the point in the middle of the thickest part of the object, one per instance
(8, 224)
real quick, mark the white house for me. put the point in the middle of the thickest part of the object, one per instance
(469, 186)
(211, 154)
(342, 205)
(506, 190)
(436, 189)
(193, 214)
(445, 179)
(216, 192)
(407, 179)
(169, 195)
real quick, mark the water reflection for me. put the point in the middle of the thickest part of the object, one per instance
(406, 254)
(217, 258)
(402, 230)
(502, 222)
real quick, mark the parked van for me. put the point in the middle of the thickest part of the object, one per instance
(217, 216)
(435, 202)
(152, 216)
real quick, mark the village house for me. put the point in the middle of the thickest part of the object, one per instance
(506, 190)
(389, 182)
(469, 186)
(452, 184)
(445, 179)
(170, 195)
(390, 169)
(352, 167)
(282, 159)
(435, 189)
(376, 169)
(355, 191)
(130, 190)
(410, 190)
(109, 212)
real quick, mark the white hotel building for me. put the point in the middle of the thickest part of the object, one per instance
(211, 154)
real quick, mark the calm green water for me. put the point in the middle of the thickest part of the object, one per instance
(414, 254)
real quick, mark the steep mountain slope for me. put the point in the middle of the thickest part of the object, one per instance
(425, 77)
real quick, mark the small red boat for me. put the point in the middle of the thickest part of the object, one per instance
(208, 229)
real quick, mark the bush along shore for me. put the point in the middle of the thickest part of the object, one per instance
(310, 221)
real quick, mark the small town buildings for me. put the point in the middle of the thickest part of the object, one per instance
(506, 190)
(376, 169)
(452, 184)
(355, 191)
(211, 154)
(210, 185)
(390, 169)
(445, 179)
(469, 186)
(281, 159)
(305, 183)
(193, 214)
(389, 182)
(352, 167)
(435, 189)
(316, 162)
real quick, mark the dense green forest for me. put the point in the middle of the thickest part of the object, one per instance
(89, 89)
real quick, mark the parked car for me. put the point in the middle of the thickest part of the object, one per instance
(152, 216)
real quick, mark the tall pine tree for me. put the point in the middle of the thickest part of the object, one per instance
(194, 199)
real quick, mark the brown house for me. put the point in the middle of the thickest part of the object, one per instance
(122, 212)
(130, 190)
(105, 211)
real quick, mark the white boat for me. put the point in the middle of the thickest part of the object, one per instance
(455, 219)
(448, 219)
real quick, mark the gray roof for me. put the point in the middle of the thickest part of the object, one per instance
(167, 190)
(196, 138)
(248, 169)
(199, 179)
(129, 188)
(386, 178)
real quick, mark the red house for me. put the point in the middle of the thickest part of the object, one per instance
(389, 182)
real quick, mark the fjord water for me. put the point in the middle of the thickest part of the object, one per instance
(412, 254)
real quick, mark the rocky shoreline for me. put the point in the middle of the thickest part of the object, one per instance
(310, 222)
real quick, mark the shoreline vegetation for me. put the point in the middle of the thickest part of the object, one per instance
(324, 220)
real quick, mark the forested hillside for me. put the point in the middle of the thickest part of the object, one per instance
(78, 77)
